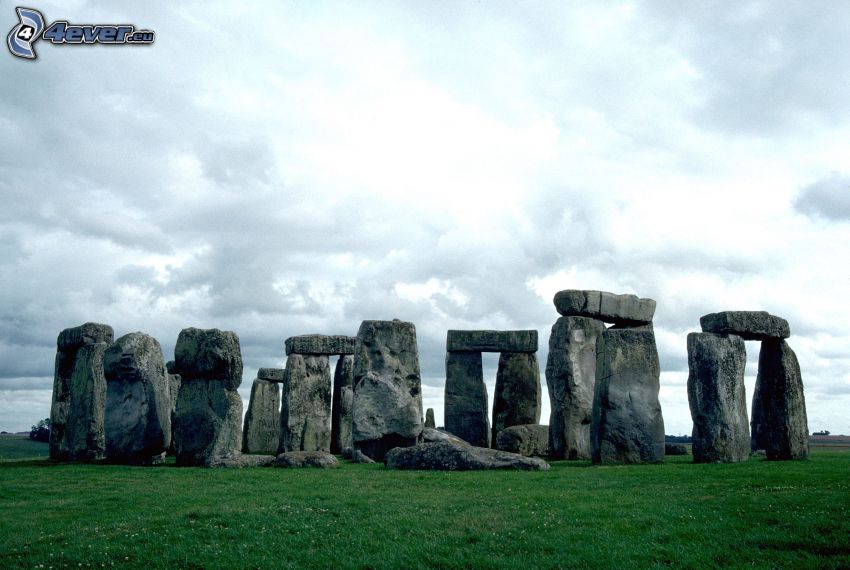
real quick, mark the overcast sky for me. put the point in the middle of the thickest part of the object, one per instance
(289, 168)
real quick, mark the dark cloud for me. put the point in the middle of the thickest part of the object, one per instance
(828, 198)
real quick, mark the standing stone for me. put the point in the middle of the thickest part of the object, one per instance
(343, 398)
(387, 409)
(517, 396)
(779, 405)
(717, 398)
(528, 440)
(466, 413)
(174, 382)
(305, 413)
(429, 418)
(137, 420)
(261, 430)
(627, 425)
(571, 379)
(79, 394)
(208, 422)
(271, 374)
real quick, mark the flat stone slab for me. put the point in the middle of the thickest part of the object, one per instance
(607, 307)
(89, 333)
(491, 341)
(749, 325)
(320, 344)
(446, 456)
(270, 374)
(242, 460)
(319, 459)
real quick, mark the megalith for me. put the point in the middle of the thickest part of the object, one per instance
(174, 382)
(137, 418)
(466, 412)
(305, 412)
(343, 397)
(570, 380)
(429, 418)
(528, 440)
(261, 429)
(208, 419)
(516, 400)
(717, 398)
(387, 406)
(79, 394)
(621, 310)
(627, 425)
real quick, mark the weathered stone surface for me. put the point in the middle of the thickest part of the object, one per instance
(305, 412)
(780, 425)
(320, 344)
(607, 307)
(429, 418)
(491, 341)
(271, 374)
(209, 354)
(717, 399)
(174, 382)
(449, 457)
(137, 417)
(261, 430)
(242, 460)
(517, 396)
(171, 367)
(319, 459)
(79, 394)
(433, 435)
(343, 397)
(208, 419)
(358, 456)
(627, 425)
(528, 440)
(571, 379)
(749, 325)
(675, 449)
(387, 407)
(465, 403)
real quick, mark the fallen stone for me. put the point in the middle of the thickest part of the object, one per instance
(466, 409)
(675, 449)
(137, 417)
(261, 429)
(270, 374)
(607, 307)
(717, 398)
(527, 440)
(444, 456)
(749, 325)
(491, 341)
(242, 460)
(517, 396)
(627, 425)
(305, 413)
(429, 418)
(780, 425)
(343, 398)
(209, 354)
(319, 344)
(571, 379)
(319, 459)
(387, 406)
(358, 456)
(433, 435)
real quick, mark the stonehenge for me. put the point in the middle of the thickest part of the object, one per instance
(465, 401)
(343, 397)
(528, 440)
(261, 428)
(429, 418)
(516, 400)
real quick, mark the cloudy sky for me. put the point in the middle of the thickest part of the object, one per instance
(288, 168)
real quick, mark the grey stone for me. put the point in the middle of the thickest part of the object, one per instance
(209, 354)
(627, 424)
(749, 325)
(319, 459)
(607, 307)
(443, 456)
(780, 426)
(343, 397)
(387, 407)
(79, 394)
(137, 417)
(305, 412)
(261, 430)
(320, 344)
(675, 449)
(242, 460)
(517, 396)
(570, 380)
(358, 456)
(433, 435)
(528, 440)
(174, 382)
(429, 418)
(465, 403)
(717, 399)
(270, 374)
(491, 341)
(171, 367)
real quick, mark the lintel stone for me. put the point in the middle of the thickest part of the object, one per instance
(320, 344)
(491, 341)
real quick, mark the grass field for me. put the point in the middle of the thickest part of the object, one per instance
(757, 514)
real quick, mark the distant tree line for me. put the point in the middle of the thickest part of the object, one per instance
(41, 431)
(824, 432)
(678, 439)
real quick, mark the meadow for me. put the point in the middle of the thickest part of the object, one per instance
(757, 514)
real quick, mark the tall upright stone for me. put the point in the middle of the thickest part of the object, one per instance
(429, 418)
(387, 408)
(174, 382)
(208, 419)
(780, 425)
(717, 398)
(305, 412)
(137, 418)
(79, 394)
(261, 430)
(343, 397)
(465, 405)
(517, 396)
(627, 425)
(571, 380)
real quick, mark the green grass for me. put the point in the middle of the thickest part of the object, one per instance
(21, 447)
(757, 514)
